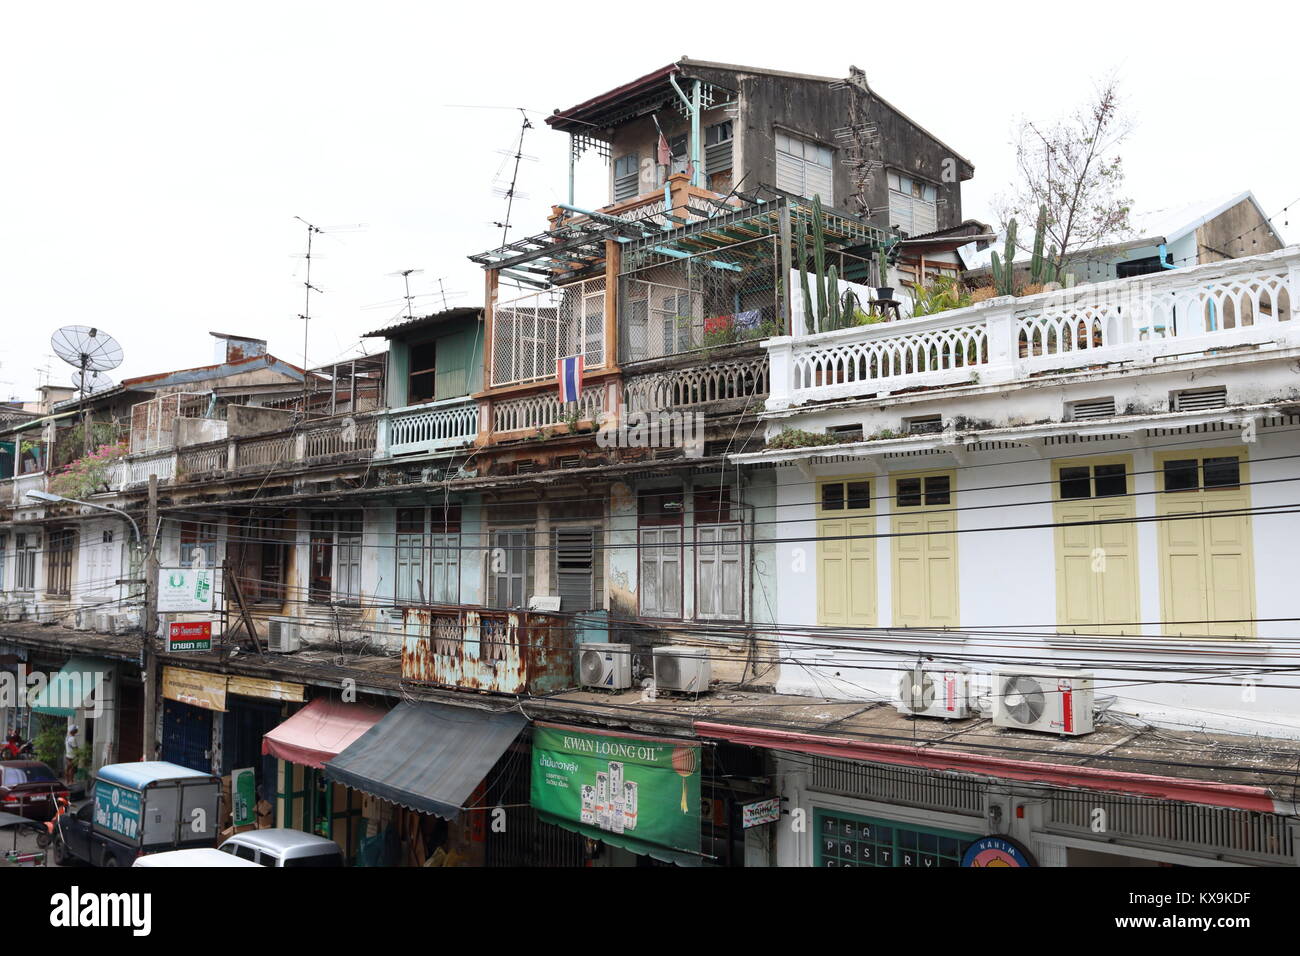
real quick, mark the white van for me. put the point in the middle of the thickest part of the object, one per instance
(204, 856)
(279, 846)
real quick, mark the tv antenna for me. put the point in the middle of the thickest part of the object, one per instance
(406, 278)
(308, 289)
(510, 192)
(90, 352)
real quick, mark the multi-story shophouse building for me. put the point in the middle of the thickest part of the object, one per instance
(415, 550)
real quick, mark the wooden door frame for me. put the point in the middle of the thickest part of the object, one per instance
(895, 512)
(1165, 498)
(1059, 505)
(847, 514)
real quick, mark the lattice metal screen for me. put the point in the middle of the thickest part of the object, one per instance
(706, 300)
(1264, 835)
(530, 333)
(901, 785)
(152, 421)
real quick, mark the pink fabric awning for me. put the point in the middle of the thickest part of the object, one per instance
(321, 730)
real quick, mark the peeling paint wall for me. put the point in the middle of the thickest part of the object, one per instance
(621, 556)
(1253, 381)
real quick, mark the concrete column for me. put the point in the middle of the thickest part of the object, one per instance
(542, 552)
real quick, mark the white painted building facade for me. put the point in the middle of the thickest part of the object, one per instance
(1058, 430)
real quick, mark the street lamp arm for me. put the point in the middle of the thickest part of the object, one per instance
(47, 496)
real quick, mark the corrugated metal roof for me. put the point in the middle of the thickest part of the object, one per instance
(410, 325)
(427, 757)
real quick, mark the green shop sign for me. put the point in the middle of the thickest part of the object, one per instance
(640, 793)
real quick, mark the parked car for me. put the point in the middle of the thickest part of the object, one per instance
(199, 856)
(284, 847)
(29, 788)
(140, 808)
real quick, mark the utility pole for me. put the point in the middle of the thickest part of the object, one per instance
(148, 659)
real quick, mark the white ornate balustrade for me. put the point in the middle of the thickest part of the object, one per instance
(139, 469)
(437, 426)
(544, 409)
(698, 385)
(1252, 301)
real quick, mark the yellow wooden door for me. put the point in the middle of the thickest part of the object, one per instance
(1206, 563)
(1096, 550)
(924, 567)
(846, 548)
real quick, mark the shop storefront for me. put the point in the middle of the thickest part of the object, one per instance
(298, 749)
(215, 723)
(81, 693)
(426, 772)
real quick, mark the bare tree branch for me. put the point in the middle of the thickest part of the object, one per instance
(1073, 167)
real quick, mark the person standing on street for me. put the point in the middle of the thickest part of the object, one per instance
(70, 754)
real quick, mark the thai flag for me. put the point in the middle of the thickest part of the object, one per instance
(569, 373)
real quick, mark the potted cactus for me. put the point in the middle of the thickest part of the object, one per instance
(882, 271)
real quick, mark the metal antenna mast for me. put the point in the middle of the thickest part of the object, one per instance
(524, 127)
(406, 278)
(308, 289)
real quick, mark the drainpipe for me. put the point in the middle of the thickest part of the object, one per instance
(697, 171)
(692, 104)
(571, 161)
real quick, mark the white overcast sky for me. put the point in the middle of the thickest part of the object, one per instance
(154, 155)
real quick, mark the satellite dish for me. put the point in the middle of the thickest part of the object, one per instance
(95, 381)
(91, 350)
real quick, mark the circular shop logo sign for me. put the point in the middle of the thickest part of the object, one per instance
(996, 851)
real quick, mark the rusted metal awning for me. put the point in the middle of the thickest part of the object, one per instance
(426, 757)
(320, 731)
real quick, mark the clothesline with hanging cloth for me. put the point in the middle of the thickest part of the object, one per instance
(320, 731)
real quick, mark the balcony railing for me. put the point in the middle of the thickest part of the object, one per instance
(437, 426)
(702, 384)
(545, 409)
(1241, 302)
(13, 491)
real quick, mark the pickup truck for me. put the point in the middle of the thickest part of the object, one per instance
(140, 808)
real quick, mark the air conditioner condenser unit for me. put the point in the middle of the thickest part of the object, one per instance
(1046, 701)
(282, 635)
(935, 689)
(682, 668)
(605, 665)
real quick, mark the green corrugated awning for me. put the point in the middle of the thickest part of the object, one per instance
(72, 686)
(427, 757)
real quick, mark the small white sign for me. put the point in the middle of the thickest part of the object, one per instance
(186, 589)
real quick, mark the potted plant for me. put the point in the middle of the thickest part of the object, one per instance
(882, 276)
